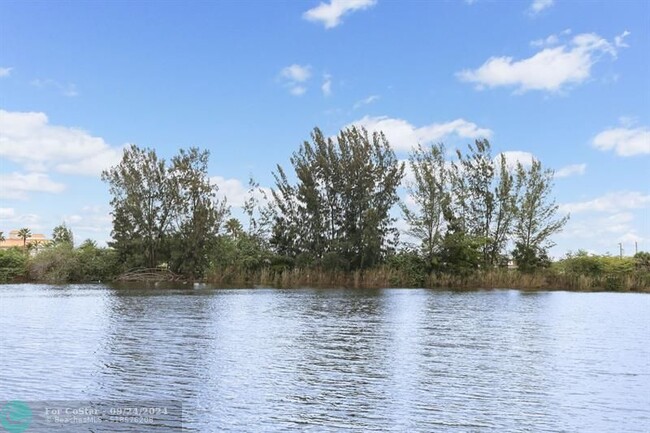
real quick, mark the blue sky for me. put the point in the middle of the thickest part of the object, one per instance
(563, 81)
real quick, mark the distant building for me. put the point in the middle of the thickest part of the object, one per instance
(13, 240)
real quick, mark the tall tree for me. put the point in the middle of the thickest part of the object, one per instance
(485, 195)
(338, 212)
(536, 216)
(428, 194)
(198, 214)
(164, 213)
(24, 234)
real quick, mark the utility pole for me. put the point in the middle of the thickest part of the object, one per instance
(636, 247)
(620, 248)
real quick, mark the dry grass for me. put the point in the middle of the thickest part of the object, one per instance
(388, 277)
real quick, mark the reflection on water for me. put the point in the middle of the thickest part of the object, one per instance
(337, 360)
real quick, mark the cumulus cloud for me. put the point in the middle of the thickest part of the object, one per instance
(539, 5)
(403, 136)
(624, 141)
(330, 14)
(571, 170)
(5, 72)
(613, 202)
(551, 69)
(18, 185)
(27, 138)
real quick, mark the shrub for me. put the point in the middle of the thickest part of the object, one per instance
(13, 264)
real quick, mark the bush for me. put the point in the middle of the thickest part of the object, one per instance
(61, 263)
(13, 264)
(54, 264)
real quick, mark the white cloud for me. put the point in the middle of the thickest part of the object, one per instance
(624, 141)
(603, 232)
(551, 69)
(17, 185)
(539, 5)
(91, 219)
(571, 170)
(9, 217)
(297, 73)
(516, 156)
(295, 76)
(28, 138)
(5, 72)
(610, 203)
(7, 212)
(235, 192)
(619, 40)
(403, 136)
(327, 85)
(369, 100)
(330, 14)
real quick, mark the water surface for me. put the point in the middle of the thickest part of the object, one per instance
(389, 360)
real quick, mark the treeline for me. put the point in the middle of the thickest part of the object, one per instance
(331, 218)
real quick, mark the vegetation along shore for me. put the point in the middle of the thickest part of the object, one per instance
(472, 221)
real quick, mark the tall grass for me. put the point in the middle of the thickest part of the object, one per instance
(382, 277)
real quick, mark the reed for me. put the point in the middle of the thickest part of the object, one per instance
(383, 277)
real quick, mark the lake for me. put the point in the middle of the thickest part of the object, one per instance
(391, 360)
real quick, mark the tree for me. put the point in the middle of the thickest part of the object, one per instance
(24, 234)
(428, 192)
(198, 215)
(164, 213)
(233, 228)
(535, 218)
(338, 212)
(485, 194)
(144, 202)
(62, 235)
(2, 236)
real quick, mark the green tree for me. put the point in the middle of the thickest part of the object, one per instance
(144, 203)
(199, 213)
(164, 212)
(338, 212)
(428, 192)
(486, 199)
(233, 228)
(536, 217)
(62, 235)
(24, 234)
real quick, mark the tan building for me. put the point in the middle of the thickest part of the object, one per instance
(13, 240)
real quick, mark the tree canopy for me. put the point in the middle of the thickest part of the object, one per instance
(164, 213)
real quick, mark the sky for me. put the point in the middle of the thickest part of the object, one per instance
(566, 82)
